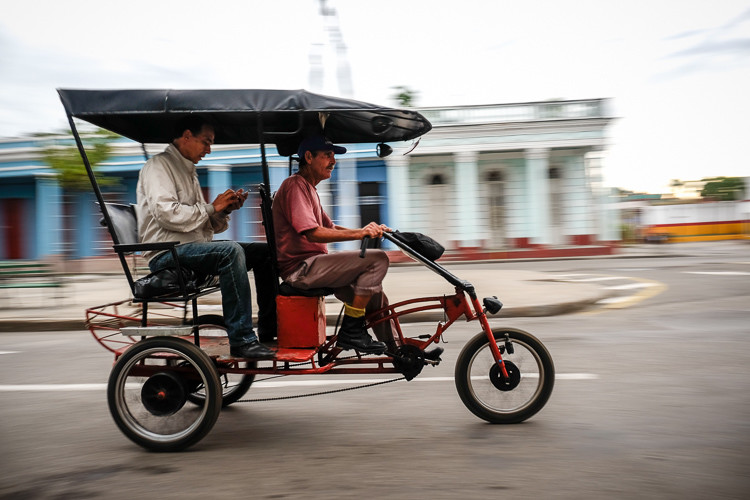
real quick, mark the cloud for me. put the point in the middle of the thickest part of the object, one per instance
(723, 48)
(32, 73)
(735, 47)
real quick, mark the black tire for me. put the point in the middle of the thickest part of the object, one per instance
(489, 400)
(233, 386)
(163, 422)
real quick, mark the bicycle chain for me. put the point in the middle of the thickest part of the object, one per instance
(323, 393)
(333, 391)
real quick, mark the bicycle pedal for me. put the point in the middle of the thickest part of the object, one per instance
(434, 354)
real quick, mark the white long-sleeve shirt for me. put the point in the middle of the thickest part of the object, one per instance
(171, 205)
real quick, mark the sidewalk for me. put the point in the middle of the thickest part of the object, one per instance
(523, 293)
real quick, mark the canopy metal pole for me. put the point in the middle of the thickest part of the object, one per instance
(263, 161)
(90, 172)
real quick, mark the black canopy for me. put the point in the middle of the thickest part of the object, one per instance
(239, 116)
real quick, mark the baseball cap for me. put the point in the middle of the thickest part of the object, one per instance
(318, 143)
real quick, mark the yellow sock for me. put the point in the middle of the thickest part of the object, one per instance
(353, 311)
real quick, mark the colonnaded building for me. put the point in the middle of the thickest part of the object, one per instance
(490, 181)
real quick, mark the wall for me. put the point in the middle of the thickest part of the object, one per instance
(696, 221)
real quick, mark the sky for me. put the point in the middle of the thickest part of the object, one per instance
(678, 72)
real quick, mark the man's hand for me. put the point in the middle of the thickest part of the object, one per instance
(375, 230)
(240, 200)
(230, 200)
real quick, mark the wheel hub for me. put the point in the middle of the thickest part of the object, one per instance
(499, 381)
(163, 394)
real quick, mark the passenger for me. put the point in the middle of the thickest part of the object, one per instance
(171, 207)
(303, 230)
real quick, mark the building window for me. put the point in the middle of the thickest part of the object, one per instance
(436, 180)
(494, 176)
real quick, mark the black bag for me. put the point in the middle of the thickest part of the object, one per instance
(164, 282)
(422, 244)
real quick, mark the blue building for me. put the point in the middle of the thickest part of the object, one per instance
(490, 179)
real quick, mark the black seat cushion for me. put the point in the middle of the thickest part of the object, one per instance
(164, 283)
(288, 290)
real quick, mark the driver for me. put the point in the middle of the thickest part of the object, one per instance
(171, 207)
(303, 230)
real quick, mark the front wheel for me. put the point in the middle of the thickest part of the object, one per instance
(148, 388)
(484, 390)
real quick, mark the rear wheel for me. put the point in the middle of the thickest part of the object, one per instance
(484, 390)
(148, 388)
(233, 385)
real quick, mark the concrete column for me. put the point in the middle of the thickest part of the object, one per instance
(605, 219)
(347, 201)
(397, 204)
(577, 205)
(608, 203)
(515, 200)
(219, 180)
(86, 216)
(277, 172)
(348, 193)
(467, 198)
(48, 207)
(538, 193)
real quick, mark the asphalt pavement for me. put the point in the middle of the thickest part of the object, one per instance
(523, 292)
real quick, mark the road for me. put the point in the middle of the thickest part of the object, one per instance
(651, 401)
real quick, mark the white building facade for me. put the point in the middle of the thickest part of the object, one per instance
(507, 177)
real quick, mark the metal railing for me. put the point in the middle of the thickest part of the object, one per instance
(518, 112)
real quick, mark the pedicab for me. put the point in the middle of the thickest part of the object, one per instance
(173, 373)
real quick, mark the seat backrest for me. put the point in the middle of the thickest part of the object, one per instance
(266, 202)
(124, 230)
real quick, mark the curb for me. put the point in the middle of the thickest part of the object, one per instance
(51, 325)
(35, 325)
(539, 310)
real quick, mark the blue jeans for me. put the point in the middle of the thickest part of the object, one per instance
(232, 260)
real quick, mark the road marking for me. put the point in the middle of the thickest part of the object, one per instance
(263, 384)
(629, 286)
(613, 300)
(576, 376)
(299, 383)
(719, 273)
(649, 289)
(52, 387)
(596, 278)
(8, 352)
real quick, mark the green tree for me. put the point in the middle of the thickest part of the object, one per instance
(724, 188)
(404, 96)
(67, 164)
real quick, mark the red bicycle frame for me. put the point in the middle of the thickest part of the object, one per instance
(105, 322)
